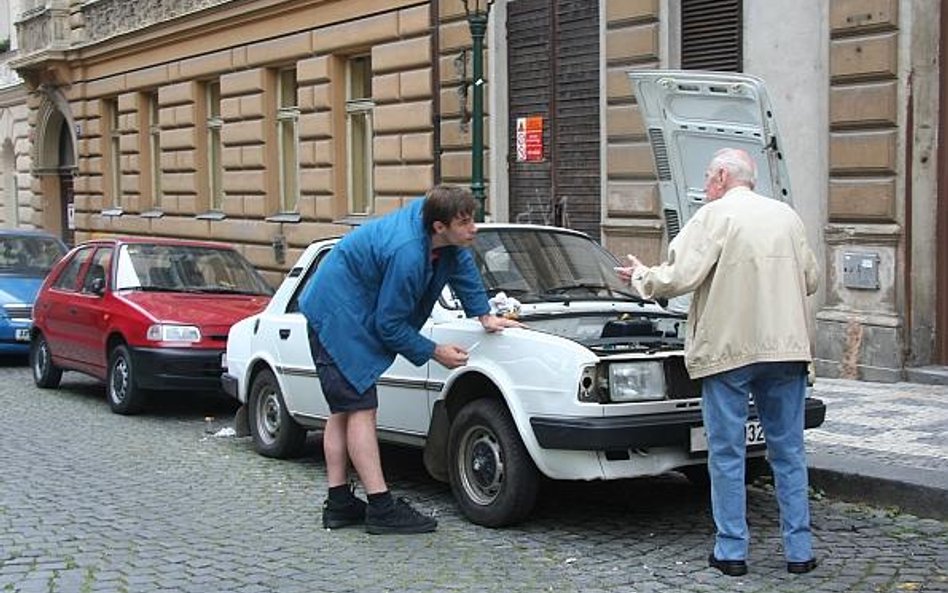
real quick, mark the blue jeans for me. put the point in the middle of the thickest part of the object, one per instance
(779, 389)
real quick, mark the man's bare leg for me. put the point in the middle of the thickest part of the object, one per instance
(335, 450)
(363, 447)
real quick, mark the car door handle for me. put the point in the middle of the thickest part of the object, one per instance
(72, 310)
(284, 334)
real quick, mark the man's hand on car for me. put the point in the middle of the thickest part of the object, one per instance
(494, 323)
(450, 356)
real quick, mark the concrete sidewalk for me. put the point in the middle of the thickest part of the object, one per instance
(882, 443)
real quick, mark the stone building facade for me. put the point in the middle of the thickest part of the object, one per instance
(268, 123)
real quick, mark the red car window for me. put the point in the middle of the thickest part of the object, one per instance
(69, 275)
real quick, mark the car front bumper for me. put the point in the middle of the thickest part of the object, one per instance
(632, 432)
(229, 384)
(9, 344)
(177, 368)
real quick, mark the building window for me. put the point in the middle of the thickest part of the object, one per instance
(712, 35)
(154, 149)
(215, 164)
(111, 113)
(288, 115)
(359, 106)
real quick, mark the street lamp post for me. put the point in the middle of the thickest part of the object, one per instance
(477, 21)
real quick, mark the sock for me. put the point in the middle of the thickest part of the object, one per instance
(340, 493)
(381, 500)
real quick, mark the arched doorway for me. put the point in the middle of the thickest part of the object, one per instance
(55, 164)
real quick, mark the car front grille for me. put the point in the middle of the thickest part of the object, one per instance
(19, 311)
(677, 382)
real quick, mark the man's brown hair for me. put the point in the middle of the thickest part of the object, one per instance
(444, 203)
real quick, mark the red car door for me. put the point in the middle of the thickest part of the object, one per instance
(56, 316)
(92, 312)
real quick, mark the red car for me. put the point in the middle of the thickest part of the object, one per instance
(142, 314)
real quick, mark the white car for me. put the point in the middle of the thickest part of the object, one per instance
(595, 388)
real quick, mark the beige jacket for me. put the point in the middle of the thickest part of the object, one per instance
(746, 258)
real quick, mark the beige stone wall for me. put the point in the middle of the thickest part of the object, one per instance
(455, 100)
(16, 198)
(245, 58)
(860, 330)
(631, 210)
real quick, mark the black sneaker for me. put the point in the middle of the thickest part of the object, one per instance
(336, 515)
(399, 517)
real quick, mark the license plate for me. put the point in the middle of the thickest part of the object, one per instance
(753, 435)
(22, 334)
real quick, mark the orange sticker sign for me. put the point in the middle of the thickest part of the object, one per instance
(529, 139)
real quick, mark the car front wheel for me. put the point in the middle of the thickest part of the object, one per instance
(45, 373)
(493, 478)
(125, 397)
(275, 433)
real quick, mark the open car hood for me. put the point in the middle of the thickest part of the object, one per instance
(689, 116)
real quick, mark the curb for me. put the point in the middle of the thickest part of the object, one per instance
(918, 491)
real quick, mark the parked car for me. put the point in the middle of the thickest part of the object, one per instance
(142, 314)
(594, 388)
(25, 259)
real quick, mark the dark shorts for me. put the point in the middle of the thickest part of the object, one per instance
(339, 393)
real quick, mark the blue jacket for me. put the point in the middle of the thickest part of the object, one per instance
(374, 291)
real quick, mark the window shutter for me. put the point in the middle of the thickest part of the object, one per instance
(712, 35)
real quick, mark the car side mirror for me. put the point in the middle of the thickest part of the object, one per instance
(98, 286)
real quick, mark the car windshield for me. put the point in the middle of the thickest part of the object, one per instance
(187, 268)
(535, 265)
(29, 255)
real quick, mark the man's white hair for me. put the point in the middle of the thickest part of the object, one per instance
(739, 165)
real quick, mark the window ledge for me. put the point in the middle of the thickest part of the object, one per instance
(112, 211)
(152, 214)
(285, 217)
(212, 215)
(353, 220)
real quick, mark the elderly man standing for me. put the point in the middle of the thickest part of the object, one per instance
(746, 258)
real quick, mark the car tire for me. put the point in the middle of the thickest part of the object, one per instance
(45, 374)
(124, 395)
(274, 432)
(493, 478)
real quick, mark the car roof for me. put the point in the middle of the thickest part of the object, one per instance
(495, 226)
(154, 241)
(28, 233)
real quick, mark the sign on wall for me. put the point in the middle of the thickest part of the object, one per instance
(529, 139)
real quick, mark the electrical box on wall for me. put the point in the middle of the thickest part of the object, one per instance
(861, 270)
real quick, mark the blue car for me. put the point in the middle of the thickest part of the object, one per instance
(25, 259)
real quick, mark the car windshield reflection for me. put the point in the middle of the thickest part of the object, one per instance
(29, 255)
(539, 265)
(186, 268)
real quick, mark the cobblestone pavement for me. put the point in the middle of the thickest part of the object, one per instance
(894, 423)
(91, 501)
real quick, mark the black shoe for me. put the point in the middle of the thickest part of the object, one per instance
(802, 567)
(336, 515)
(732, 568)
(399, 517)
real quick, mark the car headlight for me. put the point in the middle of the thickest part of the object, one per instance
(161, 332)
(636, 381)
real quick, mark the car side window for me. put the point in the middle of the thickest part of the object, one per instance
(67, 279)
(294, 306)
(97, 270)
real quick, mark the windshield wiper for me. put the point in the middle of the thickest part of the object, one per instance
(222, 290)
(562, 289)
(148, 288)
(509, 290)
